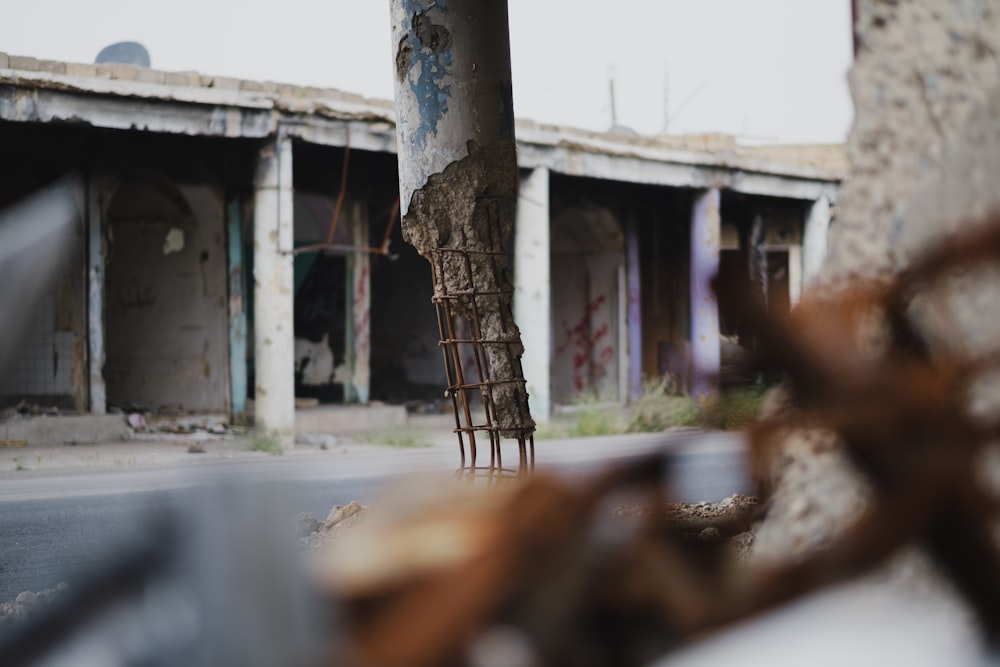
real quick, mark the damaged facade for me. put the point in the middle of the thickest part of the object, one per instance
(239, 241)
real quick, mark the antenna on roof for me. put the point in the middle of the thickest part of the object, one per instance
(124, 53)
(666, 98)
(611, 90)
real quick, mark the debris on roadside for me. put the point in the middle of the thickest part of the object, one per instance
(321, 440)
(156, 425)
(314, 534)
(440, 567)
(25, 409)
(28, 602)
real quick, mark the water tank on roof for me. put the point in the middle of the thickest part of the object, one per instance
(124, 53)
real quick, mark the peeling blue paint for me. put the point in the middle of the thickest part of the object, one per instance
(428, 86)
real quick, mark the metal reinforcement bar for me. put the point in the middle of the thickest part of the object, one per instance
(462, 340)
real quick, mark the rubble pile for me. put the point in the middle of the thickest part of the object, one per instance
(314, 534)
(28, 602)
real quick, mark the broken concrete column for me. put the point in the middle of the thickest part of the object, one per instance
(706, 229)
(458, 175)
(274, 336)
(924, 153)
(533, 287)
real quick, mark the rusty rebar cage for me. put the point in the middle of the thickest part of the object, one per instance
(464, 351)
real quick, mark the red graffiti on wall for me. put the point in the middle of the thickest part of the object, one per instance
(592, 351)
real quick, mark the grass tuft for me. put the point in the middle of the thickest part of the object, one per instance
(734, 409)
(398, 438)
(659, 408)
(266, 444)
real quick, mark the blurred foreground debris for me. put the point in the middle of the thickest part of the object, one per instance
(544, 570)
(538, 572)
(540, 567)
(861, 364)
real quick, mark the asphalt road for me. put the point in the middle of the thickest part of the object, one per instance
(57, 527)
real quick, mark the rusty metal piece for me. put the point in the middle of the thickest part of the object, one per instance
(456, 301)
(332, 231)
(440, 567)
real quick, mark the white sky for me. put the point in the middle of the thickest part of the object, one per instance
(764, 70)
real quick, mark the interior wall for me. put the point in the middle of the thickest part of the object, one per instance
(784, 221)
(588, 251)
(46, 368)
(166, 326)
(405, 360)
(664, 262)
(43, 285)
(406, 357)
(320, 285)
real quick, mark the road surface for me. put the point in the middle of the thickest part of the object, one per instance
(55, 526)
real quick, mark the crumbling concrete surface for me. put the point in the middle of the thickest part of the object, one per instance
(924, 76)
(469, 208)
(458, 191)
(925, 157)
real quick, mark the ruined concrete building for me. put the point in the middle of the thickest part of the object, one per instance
(194, 282)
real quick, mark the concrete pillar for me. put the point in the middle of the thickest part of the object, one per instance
(95, 296)
(814, 239)
(757, 259)
(794, 274)
(359, 305)
(634, 326)
(533, 289)
(622, 339)
(274, 291)
(237, 312)
(705, 351)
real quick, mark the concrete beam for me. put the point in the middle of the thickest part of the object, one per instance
(123, 113)
(274, 336)
(533, 289)
(377, 136)
(198, 110)
(226, 113)
(657, 170)
(705, 350)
